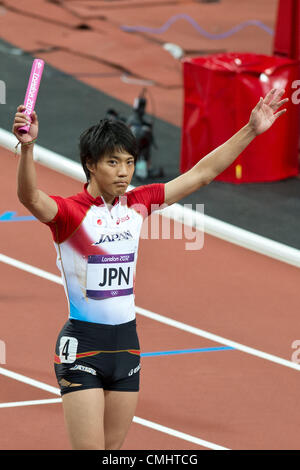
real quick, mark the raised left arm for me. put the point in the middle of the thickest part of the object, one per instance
(262, 117)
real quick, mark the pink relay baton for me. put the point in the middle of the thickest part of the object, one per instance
(32, 91)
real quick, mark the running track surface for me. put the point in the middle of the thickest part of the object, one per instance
(225, 397)
(94, 56)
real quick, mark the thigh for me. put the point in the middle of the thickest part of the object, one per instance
(75, 361)
(84, 417)
(118, 415)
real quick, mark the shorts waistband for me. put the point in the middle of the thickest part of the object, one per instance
(101, 326)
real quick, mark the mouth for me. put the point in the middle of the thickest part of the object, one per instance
(121, 183)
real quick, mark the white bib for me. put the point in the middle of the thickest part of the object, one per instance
(109, 275)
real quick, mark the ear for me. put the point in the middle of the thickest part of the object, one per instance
(90, 166)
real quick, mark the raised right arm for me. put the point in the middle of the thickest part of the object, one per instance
(43, 207)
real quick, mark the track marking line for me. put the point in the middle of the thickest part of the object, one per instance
(185, 351)
(12, 217)
(30, 269)
(180, 435)
(162, 319)
(136, 419)
(29, 381)
(218, 339)
(30, 402)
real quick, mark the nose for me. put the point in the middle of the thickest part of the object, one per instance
(123, 170)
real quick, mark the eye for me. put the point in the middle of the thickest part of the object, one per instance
(130, 162)
(112, 162)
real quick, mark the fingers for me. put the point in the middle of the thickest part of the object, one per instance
(276, 97)
(22, 119)
(273, 99)
(259, 105)
(280, 113)
(21, 109)
(273, 96)
(19, 116)
(269, 96)
(276, 106)
(34, 117)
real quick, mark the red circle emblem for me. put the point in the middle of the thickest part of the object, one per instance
(99, 222)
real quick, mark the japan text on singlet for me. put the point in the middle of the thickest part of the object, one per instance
(97, 251)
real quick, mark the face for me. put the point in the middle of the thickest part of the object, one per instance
(113, 173)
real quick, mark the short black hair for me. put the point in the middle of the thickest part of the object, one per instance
(104, 138)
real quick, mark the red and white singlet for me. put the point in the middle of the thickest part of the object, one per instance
(97, 251)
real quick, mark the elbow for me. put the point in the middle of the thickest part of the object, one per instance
(26, 200)
(22, 198)
(206, 181)
(209, 177)
(205, 177)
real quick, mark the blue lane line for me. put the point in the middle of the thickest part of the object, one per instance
(194, 23)
(186, 351)
(11, 217)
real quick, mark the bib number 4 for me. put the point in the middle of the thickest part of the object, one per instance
(68, 349)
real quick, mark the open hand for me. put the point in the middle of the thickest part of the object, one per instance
(265, 112)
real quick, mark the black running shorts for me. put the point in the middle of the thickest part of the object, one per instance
(93, 355)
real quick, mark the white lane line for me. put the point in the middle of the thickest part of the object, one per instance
(30, 269)
(166, 320)
(30, 402)
(136, 419)
(29, 381)
(232, 234)
(180, 435)
(217, 339)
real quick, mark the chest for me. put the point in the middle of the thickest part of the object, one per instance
(115, 235)
(113, 229)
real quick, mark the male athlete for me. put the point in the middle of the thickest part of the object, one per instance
(96, 234)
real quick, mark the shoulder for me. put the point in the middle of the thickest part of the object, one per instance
(71, 212)
(147, 198)
(68, 206)
(150, 193)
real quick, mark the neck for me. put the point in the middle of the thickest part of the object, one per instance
(94, 191)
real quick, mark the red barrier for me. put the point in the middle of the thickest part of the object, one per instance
(287, 35)
(219, 93)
